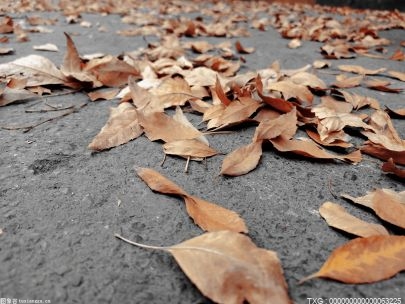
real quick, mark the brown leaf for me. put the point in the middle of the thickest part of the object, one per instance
(388, 205)
(399, 113)
(243, 272)
(397, 75)
(243, 50)
(295, 43)
(37, 69)
(107, 95)
(329, 141)
(277, 103)
(159, 183)
(242, 160)
(398, 55)
(72, 68)
(237, 112)
(310, 149)
(221, 94)
(309, 80)
(358, 101)
(189, 148)
(383, 153)
(121, 127)
(337, 217)
(111, 71)
(9, 95)
(6, 51)
(381, 85)
(285, 125)
(50, 47)
(208, 216)
(320, 64)
(173, 92)
(365, 260)
(383, 132)
(201, 76)
(357, 69)
(344, 82)
(390, 167)
(289, 89)
(161, 126)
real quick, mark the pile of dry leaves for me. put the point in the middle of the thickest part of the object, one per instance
(204, 78)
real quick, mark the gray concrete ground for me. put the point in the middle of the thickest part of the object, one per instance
(60, 205)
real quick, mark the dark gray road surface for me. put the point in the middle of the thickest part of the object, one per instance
(60, 205)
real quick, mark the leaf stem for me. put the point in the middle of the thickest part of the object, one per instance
(138, 244)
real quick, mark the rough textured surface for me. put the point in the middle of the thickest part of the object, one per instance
(60, 205)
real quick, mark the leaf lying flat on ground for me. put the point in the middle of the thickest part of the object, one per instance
(208, 216)
(289, 89)
(390, 167)
(227, 267)
(37, 69)
(189, 148)
(397, 75)
(383, 153)
(121, 127)
(399, 113)
(161, 126)
(388, 205)
(9, 95)
(285, 125)
(344, 82)
(310, 149)
(357, 69)
(365, 260)
(173, 92)
(237, 112)
(337, 217)
(242, 160)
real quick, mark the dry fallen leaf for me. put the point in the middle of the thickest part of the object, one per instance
(242, 160)
(397, 75)
(365, 260)
(227, 267)
(189, 148)
(208, 216)
(243, 50)
(390, 167)
(398, 113)
(310, 149)
(389, 206)
(289, 89)
(279, 104)
(10, 93)
(381, 85)
(37, 69)
(238, 111)
(337, 217)
(50, 47)
(295, 43)
(383, 135)
(107, 95)
(320, 64)
(121, 127)
(357, 69)
(398, 55)
(344, 82)
(160, 126)
(6, 51)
